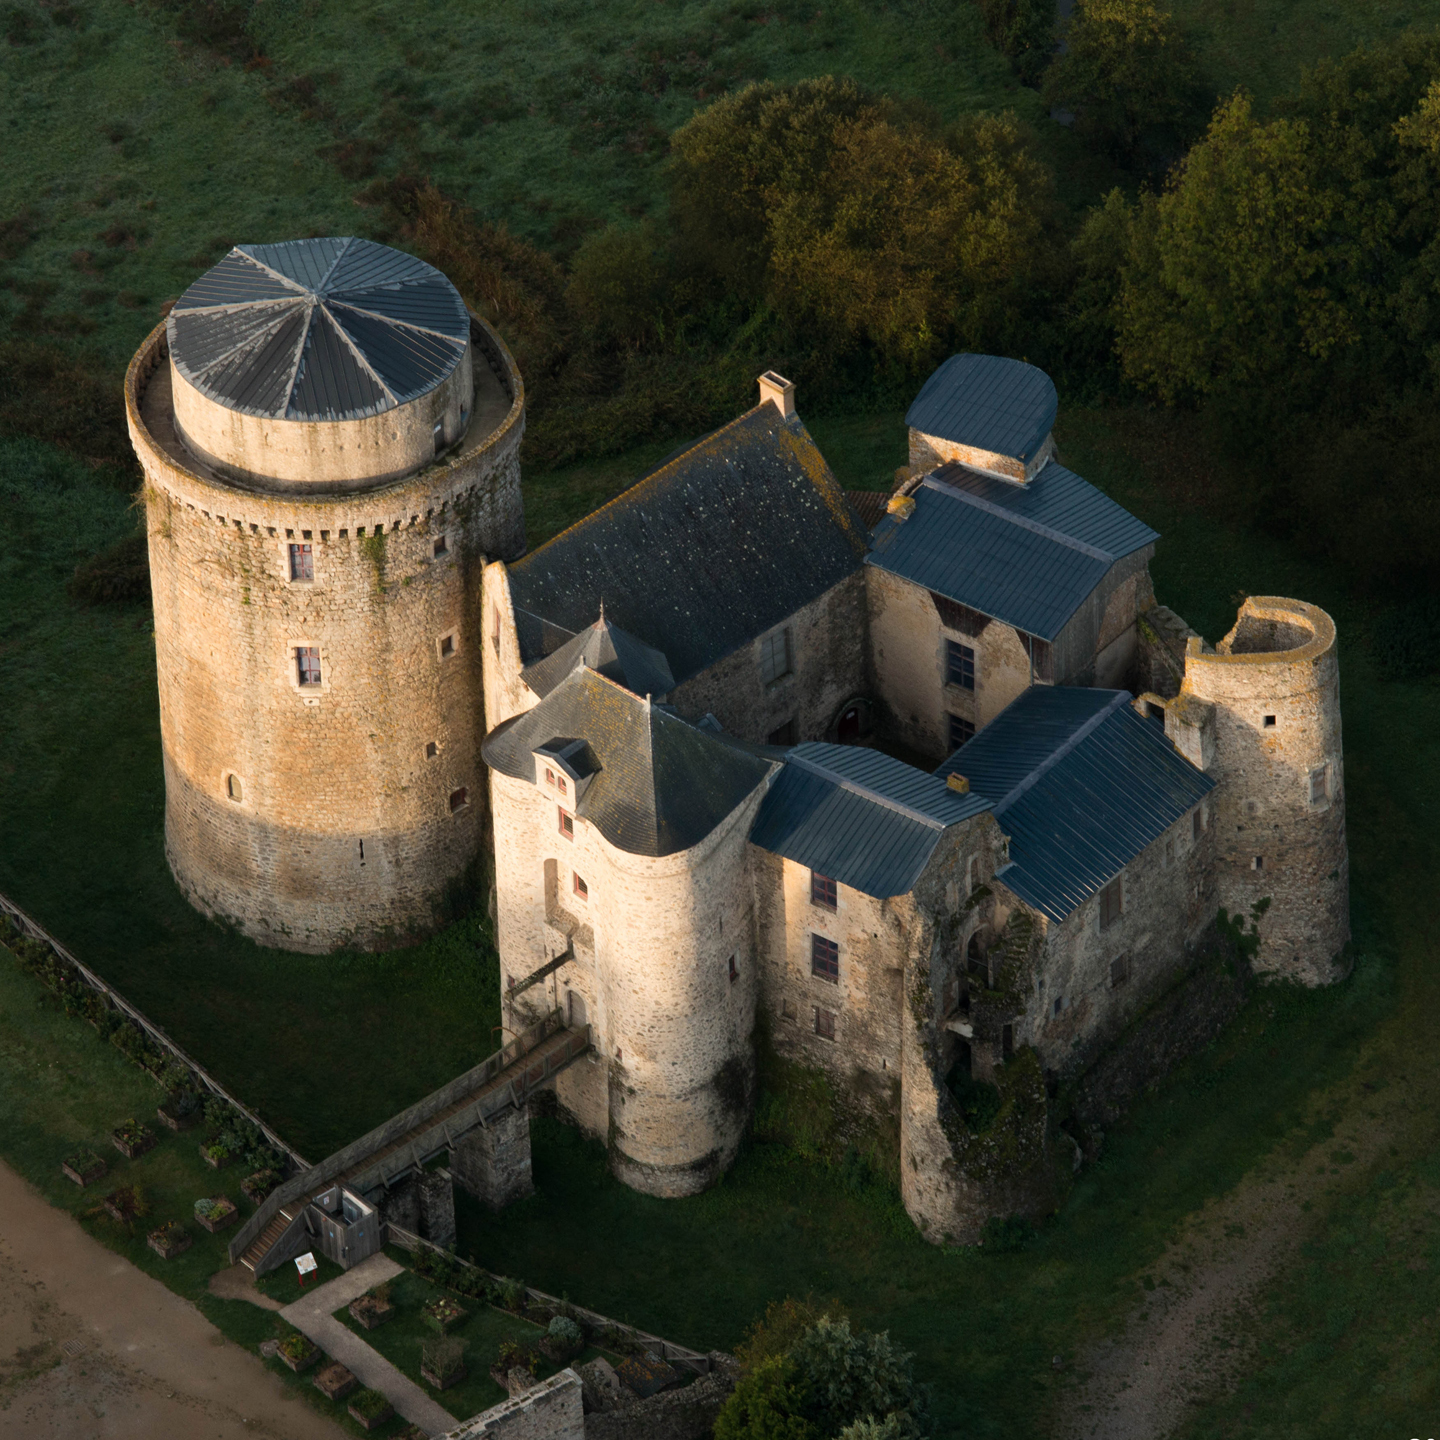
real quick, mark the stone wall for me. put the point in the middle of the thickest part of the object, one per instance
(315, 817)
(685, 1414)
(1099, 643)
(650, 973)
(1274, 685)
(551, 1410)
(492, 1163)
(827, 648)
(927, 452)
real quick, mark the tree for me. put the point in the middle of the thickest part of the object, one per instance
(1128, 76)
(767, 1404)
(1023, 31)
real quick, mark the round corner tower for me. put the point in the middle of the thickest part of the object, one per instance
(1279, 810)
(330, 444)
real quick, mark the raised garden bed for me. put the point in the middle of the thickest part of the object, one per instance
(374, 1309)
(513, 1357)
(444, 1312)
(125, 1204)
(216, 1156)
(132, 1139)
(84, 1167)
(170, 1240)
(370, 1409)
(257, 1186)
(298, 1351)
(335, 1382)
(216, 1212)
(173, 1117)
(442, 1362)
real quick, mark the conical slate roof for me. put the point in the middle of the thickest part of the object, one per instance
(610, 651)
(333, 329)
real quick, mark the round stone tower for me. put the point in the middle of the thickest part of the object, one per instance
(330, 445)
(1279, 811)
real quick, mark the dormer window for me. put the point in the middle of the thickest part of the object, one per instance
(560, 785)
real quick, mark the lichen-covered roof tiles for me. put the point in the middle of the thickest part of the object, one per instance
(610, 651)
(717, 546)
(862, 818)
(1081, 783)
(662, 785)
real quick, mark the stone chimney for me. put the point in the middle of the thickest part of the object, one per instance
(779, 391)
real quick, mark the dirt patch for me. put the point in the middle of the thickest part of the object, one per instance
(238, 1283)
(93, 1349)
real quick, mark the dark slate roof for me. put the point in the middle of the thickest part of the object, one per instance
(607, 649)
(1025, 554)
(662, 785)
(860, 817)
(318, 330)
(708, 552)
(1082, 784)
(1004, 406)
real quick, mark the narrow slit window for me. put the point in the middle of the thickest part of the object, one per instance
(822, 890)
(302, 562)
(581, 888)
(959, 665)
(1319, 786)
(734, 970)
(1258, 863)
(439, 436)
(824, 1023)
(825, 959)
(459, 799)
(1196, 824)
(307, 664)
(440, 547)
(447, 646)
(233, 788)
(567, 824)
(431, 749)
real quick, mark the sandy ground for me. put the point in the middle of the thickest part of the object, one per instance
(93, 1349)
(1186, 1342)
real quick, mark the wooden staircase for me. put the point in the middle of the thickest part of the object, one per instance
(261, 1246)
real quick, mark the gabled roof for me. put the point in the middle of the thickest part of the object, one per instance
(1082, 784)
(608, 650)
(708, 552)
(326, 329)
(662, 785)
(1004, 406)
(1028, 555)
(860, 817)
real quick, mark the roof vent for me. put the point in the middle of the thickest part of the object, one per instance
(958, 783)
(779, 391)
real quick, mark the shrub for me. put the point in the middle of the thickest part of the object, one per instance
(212, 1207)
(565, 1333)
(116, 576)
(1023, 31)
(370, 1404)
(296, 1345)
(83, 1160)
(512, 1356)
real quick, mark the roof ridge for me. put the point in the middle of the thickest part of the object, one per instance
(814, 767)
(1119, 698)
(1024, 521)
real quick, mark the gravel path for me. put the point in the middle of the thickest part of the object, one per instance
(93, 1349)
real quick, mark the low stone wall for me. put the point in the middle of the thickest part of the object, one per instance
(687, 1414)
(1181, 1022)
(551, 1410)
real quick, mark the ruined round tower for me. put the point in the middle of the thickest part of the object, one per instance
(330, 445)
(1279, 813)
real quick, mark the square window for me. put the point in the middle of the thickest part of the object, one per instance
(431, 749)
(960, 731)
(824, 1023)
(567, 824)
(307, 664)
(459, 799)
(734, 970)
(1119, 970)
(785, 734)
(775, 655)
(825, 959)
(441, 547)
(822, 890)
(1111, 904)
(580, 887)
(302, 562)
(959, 665)
(1269, 722)
(447, 646)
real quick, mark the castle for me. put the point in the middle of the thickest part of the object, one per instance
(928, 792)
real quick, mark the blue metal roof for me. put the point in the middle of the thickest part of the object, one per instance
(860, 817)
(326, 329)
(1024, 554)
(1082, 784)
(1004, 406)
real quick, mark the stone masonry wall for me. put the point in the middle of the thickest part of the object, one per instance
(1274, 683)
(317, 817)
(651, 971)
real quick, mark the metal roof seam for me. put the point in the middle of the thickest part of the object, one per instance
(1045, 766)
(865, 793)
(1023, 521)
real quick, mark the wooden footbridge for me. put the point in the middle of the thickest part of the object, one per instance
(407, 1142)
